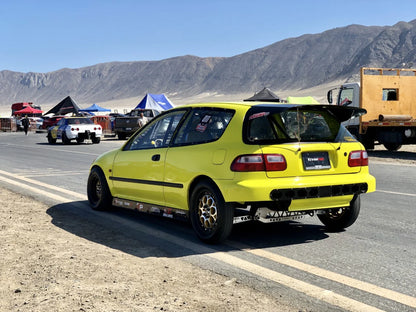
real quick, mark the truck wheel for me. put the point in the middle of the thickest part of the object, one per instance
(211, 217)
(51, 140)
(65, 139)
(392, 146)
(99, 195)
(121, 136)
(338, 219)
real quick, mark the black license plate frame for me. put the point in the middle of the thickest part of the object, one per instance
(316, 161)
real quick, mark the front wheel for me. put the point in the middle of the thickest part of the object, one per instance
(338, 219)
(211, 217)
(98, 192)
(51, 140)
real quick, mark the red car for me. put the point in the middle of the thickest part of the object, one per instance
(51, 121)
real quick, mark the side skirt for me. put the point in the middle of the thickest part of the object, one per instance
(151, 209)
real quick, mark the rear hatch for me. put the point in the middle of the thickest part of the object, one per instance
(310, 137)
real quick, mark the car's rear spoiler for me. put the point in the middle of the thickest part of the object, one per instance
(342, 113)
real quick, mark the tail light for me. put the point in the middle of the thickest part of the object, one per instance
(97, 128)
(358, 158)
(259, 162)
(74, 129)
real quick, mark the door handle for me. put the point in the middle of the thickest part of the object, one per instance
(156, 157)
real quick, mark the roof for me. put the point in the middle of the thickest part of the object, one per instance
(67, 105)
(155, 101)
(95, 108)
(264, 95)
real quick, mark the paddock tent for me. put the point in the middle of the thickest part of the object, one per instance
(67, 105)
(95, 108)
(264, 95)
(301, 100)
(155, 101)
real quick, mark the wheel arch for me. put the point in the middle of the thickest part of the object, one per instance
(197, 180)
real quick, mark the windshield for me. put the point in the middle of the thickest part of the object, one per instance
(297, 124)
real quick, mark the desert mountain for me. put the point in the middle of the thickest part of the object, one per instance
(301, 62)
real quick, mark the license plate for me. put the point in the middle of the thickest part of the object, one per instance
(128, 129)
(316, 161)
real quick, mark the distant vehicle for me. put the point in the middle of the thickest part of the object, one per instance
(125, 126)
(220, 164)
(388, 95)
(51, 121)
(74, 128)
(37, 121)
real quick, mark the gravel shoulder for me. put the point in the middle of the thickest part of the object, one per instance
(45, 268)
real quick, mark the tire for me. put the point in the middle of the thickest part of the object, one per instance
(80, 140)
(338, 219)
(99, 195)
(211, 217)
(121, 136)
(392, 146)
(51, 140)
(65, 139)
(96, 140)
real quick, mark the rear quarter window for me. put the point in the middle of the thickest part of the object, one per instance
(203, 125)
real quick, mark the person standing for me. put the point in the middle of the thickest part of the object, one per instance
(25, 124)
(142, 120)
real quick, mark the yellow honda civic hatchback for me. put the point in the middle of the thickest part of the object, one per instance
(218, 164)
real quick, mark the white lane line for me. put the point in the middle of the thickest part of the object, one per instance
(396, 193)
(364, 286)
(50, 148)
(298, 285)
(45, 185)
(36, 190)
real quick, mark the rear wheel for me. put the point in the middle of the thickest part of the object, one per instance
(65, 139)
(211, 217)
(98, 192)
(96, 140)
(392, 146)
(338, 219)
(80, 140)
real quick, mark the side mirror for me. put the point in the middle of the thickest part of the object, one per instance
(329, 96)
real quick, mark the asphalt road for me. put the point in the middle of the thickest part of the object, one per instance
(369, 267)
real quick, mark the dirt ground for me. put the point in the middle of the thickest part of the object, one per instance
(45, 268)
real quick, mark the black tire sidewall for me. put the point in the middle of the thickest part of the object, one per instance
(105, 201)
(225, 214)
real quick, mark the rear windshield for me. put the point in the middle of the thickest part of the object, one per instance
(297, 124)
(78, 121)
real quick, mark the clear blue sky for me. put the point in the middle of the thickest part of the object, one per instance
(44, 36)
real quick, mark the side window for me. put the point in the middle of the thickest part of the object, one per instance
(390, 94)
(203, 125)
(156, 134)
(346, 97)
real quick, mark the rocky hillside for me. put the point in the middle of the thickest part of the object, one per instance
(301, 62)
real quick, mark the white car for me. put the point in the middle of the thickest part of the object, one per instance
(75, 128)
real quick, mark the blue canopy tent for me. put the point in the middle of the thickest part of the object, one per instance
(95, 108)
(155, 101)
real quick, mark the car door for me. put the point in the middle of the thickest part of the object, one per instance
(138, 169)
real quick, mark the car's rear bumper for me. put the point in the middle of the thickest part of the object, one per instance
(299, 193)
